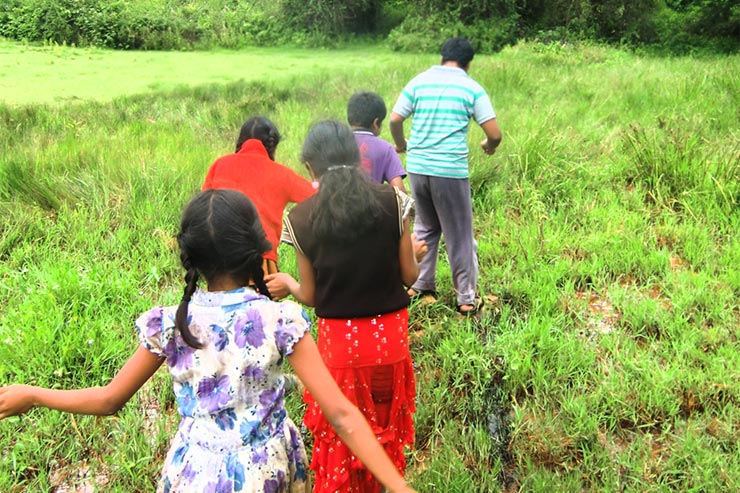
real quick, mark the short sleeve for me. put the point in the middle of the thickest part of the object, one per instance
(151, 329)
(483, 109)
(288, 234)
(405, 103)
(285, 235)
(292, 325)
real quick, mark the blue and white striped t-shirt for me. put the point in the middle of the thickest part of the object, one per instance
(442, 101)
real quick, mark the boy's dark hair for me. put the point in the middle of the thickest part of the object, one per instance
(457, 50)
(347, 206)
(364, 107)
(220, 234)
(260, 128)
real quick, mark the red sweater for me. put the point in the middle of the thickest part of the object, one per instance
(269, 185)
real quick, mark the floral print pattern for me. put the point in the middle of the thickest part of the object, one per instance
(234, 435)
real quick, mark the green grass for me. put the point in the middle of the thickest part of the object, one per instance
(31, 74)
(607, 358)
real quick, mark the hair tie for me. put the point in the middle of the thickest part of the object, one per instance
(340, 166)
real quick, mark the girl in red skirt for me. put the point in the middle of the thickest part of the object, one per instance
(355, 255)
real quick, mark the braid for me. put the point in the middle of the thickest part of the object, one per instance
(181, 317)
(220, 236)
(258, 276)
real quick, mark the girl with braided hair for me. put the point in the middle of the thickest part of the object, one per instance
(224, 347)
(253, 171)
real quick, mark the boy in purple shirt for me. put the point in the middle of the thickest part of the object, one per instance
(365, 114)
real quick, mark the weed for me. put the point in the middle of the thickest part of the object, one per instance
(606, 358)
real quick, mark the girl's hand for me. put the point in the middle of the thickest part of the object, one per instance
(283, 284)
(420, 247)
(15, 400)
(279, 285)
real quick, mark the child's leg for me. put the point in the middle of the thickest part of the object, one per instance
(454, 209)
(427, 228)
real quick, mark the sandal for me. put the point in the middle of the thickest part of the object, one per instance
(477, 306)
(415, 295)
(423, 296)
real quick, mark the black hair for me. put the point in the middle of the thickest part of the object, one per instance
(364, 107)
(457, 50)
(220, 234)
(347, 206)
(261, 128)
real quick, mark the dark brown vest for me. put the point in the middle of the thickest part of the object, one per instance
(359, 279)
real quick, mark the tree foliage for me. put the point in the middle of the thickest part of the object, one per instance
(408, 25)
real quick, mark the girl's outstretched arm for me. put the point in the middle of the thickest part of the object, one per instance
(17, 399)
(344, 417)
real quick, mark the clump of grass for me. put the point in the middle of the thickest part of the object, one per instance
(677, 171)
(605, 359)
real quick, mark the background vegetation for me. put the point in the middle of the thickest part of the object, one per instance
(607, 359)
(677, 26)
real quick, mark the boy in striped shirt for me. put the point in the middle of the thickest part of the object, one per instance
(443, 100)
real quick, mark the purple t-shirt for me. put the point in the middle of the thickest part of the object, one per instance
(379, 158)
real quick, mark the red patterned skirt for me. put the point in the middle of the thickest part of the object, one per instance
(370, 361)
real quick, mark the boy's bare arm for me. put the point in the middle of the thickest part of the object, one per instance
(398, 183)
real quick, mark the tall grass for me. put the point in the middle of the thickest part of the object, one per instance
(606, 360)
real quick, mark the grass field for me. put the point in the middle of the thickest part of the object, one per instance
(607, 227)
(31, 74)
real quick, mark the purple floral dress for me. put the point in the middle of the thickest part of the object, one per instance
(234, 435)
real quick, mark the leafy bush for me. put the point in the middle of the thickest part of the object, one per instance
(415, 25)
(426, 34)
(624, 20)
(331, 18)
(489, 25)
(116, 24)
(158, 25)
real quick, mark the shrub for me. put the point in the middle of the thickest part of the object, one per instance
(331, 18)
(426, 34)
(116, 24)
(624, 20)
(414, 25)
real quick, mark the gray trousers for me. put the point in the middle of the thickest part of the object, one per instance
(444, 206)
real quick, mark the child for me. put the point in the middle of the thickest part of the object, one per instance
(224, 347)
(355, 254)
(253, 171)
(365, 114)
